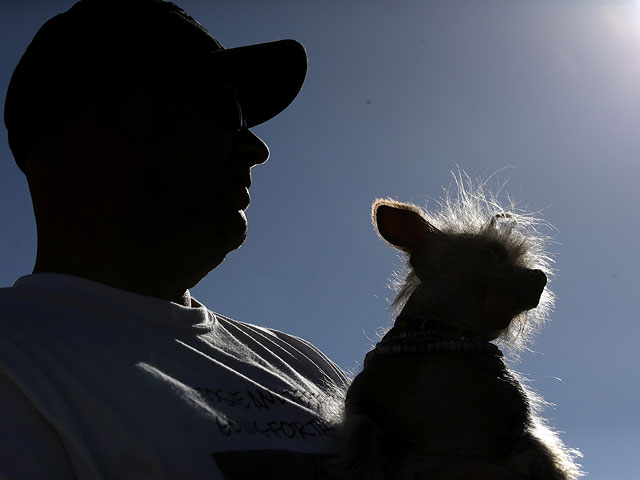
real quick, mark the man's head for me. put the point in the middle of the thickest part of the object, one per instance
(131, 123)
(100, 47)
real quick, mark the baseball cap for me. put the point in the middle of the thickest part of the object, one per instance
(147, 44)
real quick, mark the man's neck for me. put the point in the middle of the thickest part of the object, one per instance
(149, 283)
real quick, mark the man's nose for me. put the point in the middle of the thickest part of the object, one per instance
(251, 148)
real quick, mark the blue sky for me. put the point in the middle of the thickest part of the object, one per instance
(399, 93)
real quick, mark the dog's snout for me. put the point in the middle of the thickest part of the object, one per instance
(538, 278)
(532, 284)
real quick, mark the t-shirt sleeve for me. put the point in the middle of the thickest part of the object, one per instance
(29, 447)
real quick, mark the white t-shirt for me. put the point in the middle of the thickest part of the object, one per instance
(100, 383)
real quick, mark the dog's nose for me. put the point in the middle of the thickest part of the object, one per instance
(538, 278)
(533, 283)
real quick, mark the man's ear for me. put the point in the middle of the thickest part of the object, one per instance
(402, 225)
(118, 114)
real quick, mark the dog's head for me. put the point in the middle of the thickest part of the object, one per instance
(477, 278)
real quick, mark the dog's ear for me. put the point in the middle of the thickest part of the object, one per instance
(402, 225)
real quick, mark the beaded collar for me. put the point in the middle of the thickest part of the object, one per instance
(428, 341)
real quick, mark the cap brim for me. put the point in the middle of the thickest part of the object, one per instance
(267, 76)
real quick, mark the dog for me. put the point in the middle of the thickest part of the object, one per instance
(435, 398)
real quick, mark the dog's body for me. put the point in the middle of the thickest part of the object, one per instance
(434, 395)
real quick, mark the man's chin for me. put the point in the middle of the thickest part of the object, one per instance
(209, 249)
(215, 236)
(234, 230)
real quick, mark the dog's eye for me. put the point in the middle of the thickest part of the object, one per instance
(497, 252)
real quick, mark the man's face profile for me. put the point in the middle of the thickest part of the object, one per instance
(156, 178)
(193, 157)
(134, 141)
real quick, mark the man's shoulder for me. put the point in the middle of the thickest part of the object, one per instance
(14, 300)
(17, 303)
(271, 334)
(7, 293)
(301, 352)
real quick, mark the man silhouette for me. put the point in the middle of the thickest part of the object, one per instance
(131, 124)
